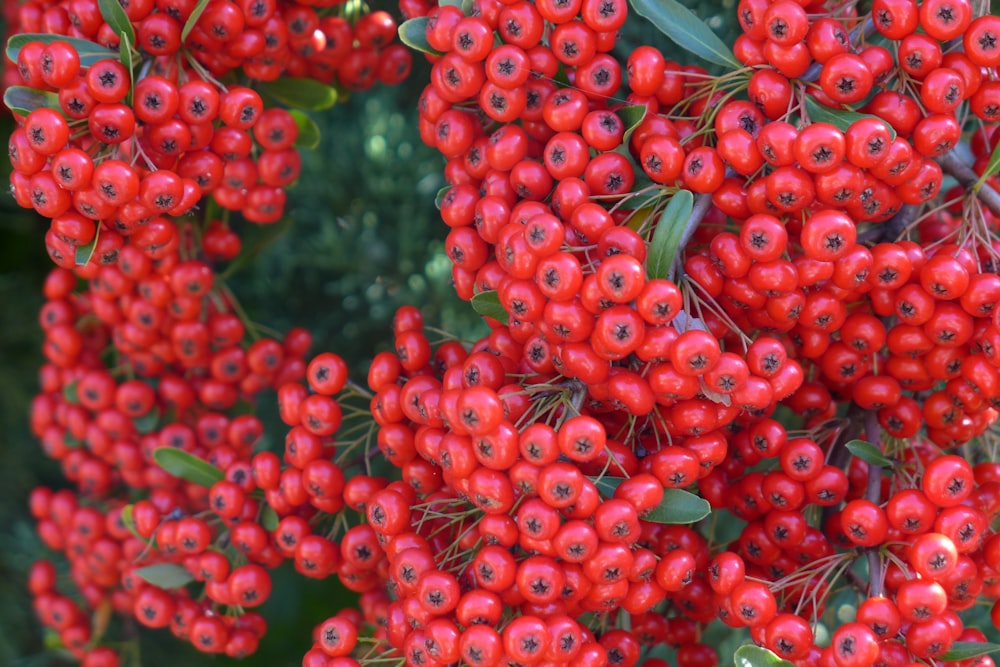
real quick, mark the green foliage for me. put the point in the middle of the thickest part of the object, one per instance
(678, 506)
(365, 237)
(23, 100)
(668, 234)
(755, 656)
(187, 466)
(687, 30)
(22, 267)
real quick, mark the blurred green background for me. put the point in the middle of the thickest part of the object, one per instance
(364, 239)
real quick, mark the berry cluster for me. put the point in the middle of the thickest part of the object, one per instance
(811, 275)
(505, 530)
(137, 157)
(127, 141)
(744, 292)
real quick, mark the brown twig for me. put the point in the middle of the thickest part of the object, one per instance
(893, 228)
(873, 493)
(953, 165)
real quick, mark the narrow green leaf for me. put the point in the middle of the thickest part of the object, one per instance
(607, 485)
(166, 575)
(71, 393)
(686, 30)
(101, 618)
(187, 466)
(301, 93)
(85, 252)
(668, 234)
(23, 100)
(89, 52)
(441, 194)
(51, 640)
(487, 304)
(129, 520)
(868, 453)
(192, 20)
(413, 33)
(125, 53)
(992, 167)
(968, 650)
(308, 130)
(72, 442)
(839, 118)
(116, 17)
(755, 656)
(268, 518)
(631, 117)
(679, 506)
(148, 422)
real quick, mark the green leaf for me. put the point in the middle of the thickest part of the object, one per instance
(51, 640)
(116, 17)
(187, 466)
(487, 304)
(89, 52)
(125, 53)
(679, 506)
(868, 453)
(686, 30)
(166, 575)
(301, 93)
(72, 442)
(968, 650)
(632, 117)
(755, 656)
(441, 194)
(839, 118)
(23, 100)
(148, 422)
(263, 240)
(992, 167)
(85, 252)
(607, 485)
(192, 20)
(413, 33)
(668, 234)
(268, 518)
(308, 130)
(71, 392)
(129, 520)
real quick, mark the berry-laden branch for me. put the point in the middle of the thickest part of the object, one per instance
(532, 496)
(953, 165)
